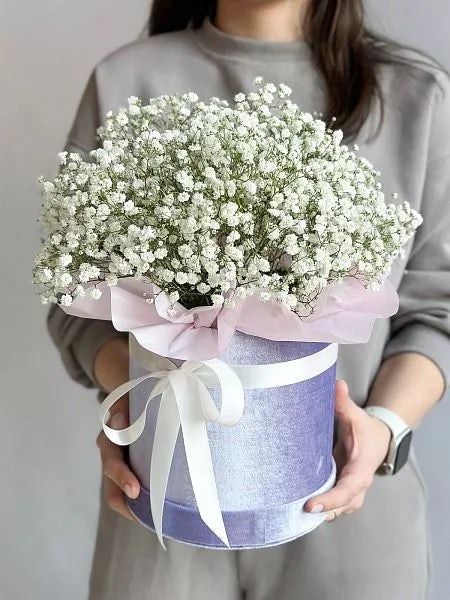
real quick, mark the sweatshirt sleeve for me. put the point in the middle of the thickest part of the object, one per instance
(422, 323)
(78, 340)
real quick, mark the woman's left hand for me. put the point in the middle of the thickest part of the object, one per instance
(362, 445)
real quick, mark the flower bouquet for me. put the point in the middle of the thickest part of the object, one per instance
(238, 244)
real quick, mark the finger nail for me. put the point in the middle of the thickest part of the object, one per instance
(128, 490)
(317, 508)
(118, 421)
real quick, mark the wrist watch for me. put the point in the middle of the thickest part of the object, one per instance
(398, 452)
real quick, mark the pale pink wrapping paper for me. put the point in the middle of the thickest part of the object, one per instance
(344, 313)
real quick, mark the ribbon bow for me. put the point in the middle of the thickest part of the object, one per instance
(185, 402)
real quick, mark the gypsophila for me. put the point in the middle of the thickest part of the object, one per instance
(210, 200)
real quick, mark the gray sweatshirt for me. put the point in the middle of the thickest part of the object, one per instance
(412, 152)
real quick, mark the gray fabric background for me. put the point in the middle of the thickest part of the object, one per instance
(47, 519)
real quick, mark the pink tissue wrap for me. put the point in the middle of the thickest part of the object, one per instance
(345, 313)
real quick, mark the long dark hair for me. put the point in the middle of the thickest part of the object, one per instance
(345, 51)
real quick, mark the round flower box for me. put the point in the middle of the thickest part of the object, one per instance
(266, 466)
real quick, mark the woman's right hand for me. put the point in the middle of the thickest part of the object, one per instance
(111, 370)
(119, 478)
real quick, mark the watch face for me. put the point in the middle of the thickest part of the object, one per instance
(402, 451)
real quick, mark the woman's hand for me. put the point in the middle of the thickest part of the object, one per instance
(362, 445)
(119, 478)
(111, 370)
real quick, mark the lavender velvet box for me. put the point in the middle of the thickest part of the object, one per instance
(266, 467)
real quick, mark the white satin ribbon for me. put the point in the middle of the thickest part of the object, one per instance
(186, 402)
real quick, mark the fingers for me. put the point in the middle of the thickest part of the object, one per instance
(121, 406)
(352, 482)
(344, 405)
(354, 467)
(114, 467)
(116, 500)
(355, 504)
(341, 388)
(117, 471)
(120, 479)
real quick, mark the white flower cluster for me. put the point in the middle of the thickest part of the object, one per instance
(213, 201)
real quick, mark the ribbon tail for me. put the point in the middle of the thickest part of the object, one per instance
(198, 453)
(166, 433)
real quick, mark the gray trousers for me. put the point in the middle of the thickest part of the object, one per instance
(380, 552)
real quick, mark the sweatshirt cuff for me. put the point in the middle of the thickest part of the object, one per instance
(86, 345)
(424, 340)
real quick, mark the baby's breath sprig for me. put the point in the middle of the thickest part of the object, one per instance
(214, 201)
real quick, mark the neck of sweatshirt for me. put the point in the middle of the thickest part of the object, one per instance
(216, 41)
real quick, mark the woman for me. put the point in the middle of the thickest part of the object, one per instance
(396, 106)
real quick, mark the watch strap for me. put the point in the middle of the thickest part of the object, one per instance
(400, 438)
(395, 423)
